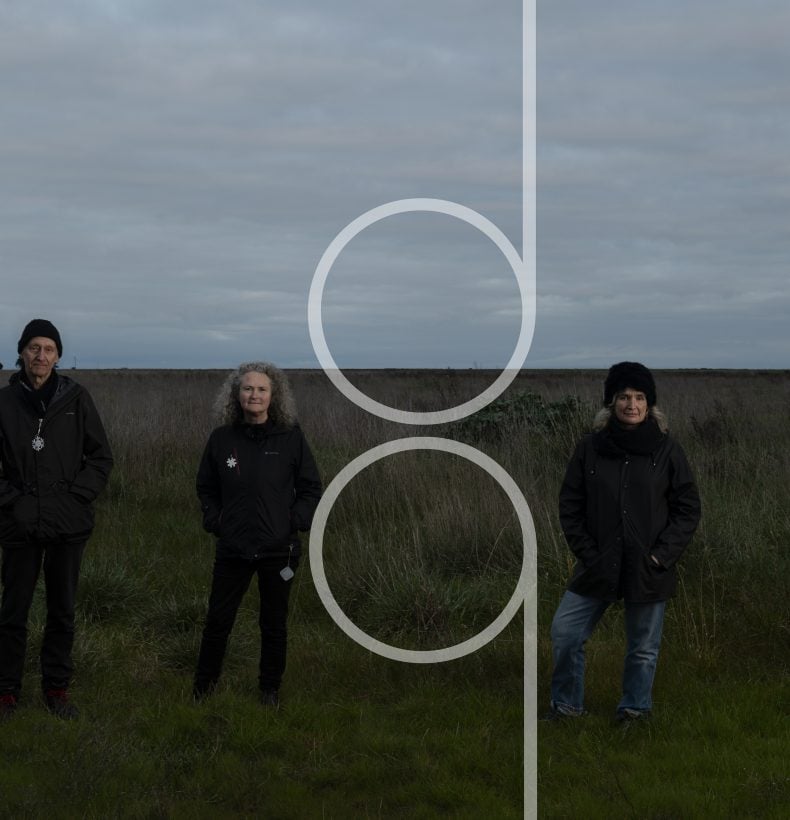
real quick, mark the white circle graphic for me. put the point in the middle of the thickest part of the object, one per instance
(353, 468)
(525, 277)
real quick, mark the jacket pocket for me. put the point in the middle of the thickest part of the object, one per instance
(65, 515)
(212, 521)
(19, 519)
(655, 582)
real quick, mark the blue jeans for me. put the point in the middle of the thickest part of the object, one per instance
(574, 622)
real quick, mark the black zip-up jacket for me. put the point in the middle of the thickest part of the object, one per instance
(258, 485)
(618, 509)
(47, 494)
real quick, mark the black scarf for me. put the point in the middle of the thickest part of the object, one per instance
(617, 440)
(38, 399)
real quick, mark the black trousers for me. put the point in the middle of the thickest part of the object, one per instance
(231, 579)
(20, 570)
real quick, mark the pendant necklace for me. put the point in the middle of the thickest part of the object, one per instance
(38, 442)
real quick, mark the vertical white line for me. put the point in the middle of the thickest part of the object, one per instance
(529, 258)
(529, 126)
(530, 704)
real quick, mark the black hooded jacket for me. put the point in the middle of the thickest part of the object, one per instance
(617, 508)
(47, 492)
(258, 485)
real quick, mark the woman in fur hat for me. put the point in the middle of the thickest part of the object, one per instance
(628, 508)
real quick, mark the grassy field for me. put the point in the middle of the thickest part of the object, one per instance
(422, 551)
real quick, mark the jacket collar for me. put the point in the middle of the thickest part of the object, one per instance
(257, 432)
(616, 440)
(55, 388)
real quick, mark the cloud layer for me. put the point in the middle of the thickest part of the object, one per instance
(173, 172)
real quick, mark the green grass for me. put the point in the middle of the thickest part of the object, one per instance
(713, 749)
(357, 735)
(422, 550)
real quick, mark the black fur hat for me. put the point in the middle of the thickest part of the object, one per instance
(40, 327)
(629, 374)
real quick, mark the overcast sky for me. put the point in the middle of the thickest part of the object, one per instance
(172, 172)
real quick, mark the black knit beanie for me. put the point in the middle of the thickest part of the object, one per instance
(40, 327)
(629, 374)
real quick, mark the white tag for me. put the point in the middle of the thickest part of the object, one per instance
(286, 573)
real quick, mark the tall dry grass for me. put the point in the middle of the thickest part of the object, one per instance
(426, 545)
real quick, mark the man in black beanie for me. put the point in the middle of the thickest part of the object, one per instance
(54, 461)
(42, 328)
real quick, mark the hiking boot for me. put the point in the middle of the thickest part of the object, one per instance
(58, 704)
(627, 715)
(8, 704)
(270, 697)
(558, 713)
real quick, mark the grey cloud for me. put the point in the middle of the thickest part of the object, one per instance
(173, 171)
(663, 177)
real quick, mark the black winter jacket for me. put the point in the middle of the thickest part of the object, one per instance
(616, 509)
(258, 485)
(47, 494)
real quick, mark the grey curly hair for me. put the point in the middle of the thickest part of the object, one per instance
(603, 416)
(282, 408)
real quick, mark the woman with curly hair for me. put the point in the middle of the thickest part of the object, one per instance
(258, 486)
(628, 508)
